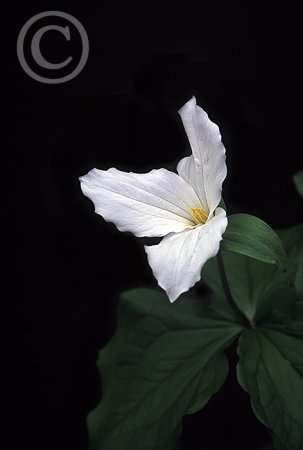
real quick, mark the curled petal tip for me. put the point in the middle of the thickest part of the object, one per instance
(191, 103)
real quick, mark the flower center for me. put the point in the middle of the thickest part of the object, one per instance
(199, 215)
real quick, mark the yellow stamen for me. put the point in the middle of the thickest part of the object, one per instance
(199, 215)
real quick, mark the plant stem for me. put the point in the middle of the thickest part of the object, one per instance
(238, 313)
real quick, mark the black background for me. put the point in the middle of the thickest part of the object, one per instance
(146, 60)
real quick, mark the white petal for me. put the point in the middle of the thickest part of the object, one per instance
(205, 170)
(150, 204)
(178, 259)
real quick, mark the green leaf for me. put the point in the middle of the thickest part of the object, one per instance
(293, 242)
(251, 236)
(216, 306)
(277, 444)
(292, 239)
(164, 361)
(288, 321)
(299, 279)
(256, 287)
(298, 180)
(270, 369)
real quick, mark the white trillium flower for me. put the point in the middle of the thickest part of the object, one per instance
(183, 208)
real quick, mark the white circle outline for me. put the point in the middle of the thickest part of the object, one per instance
(84, 39)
